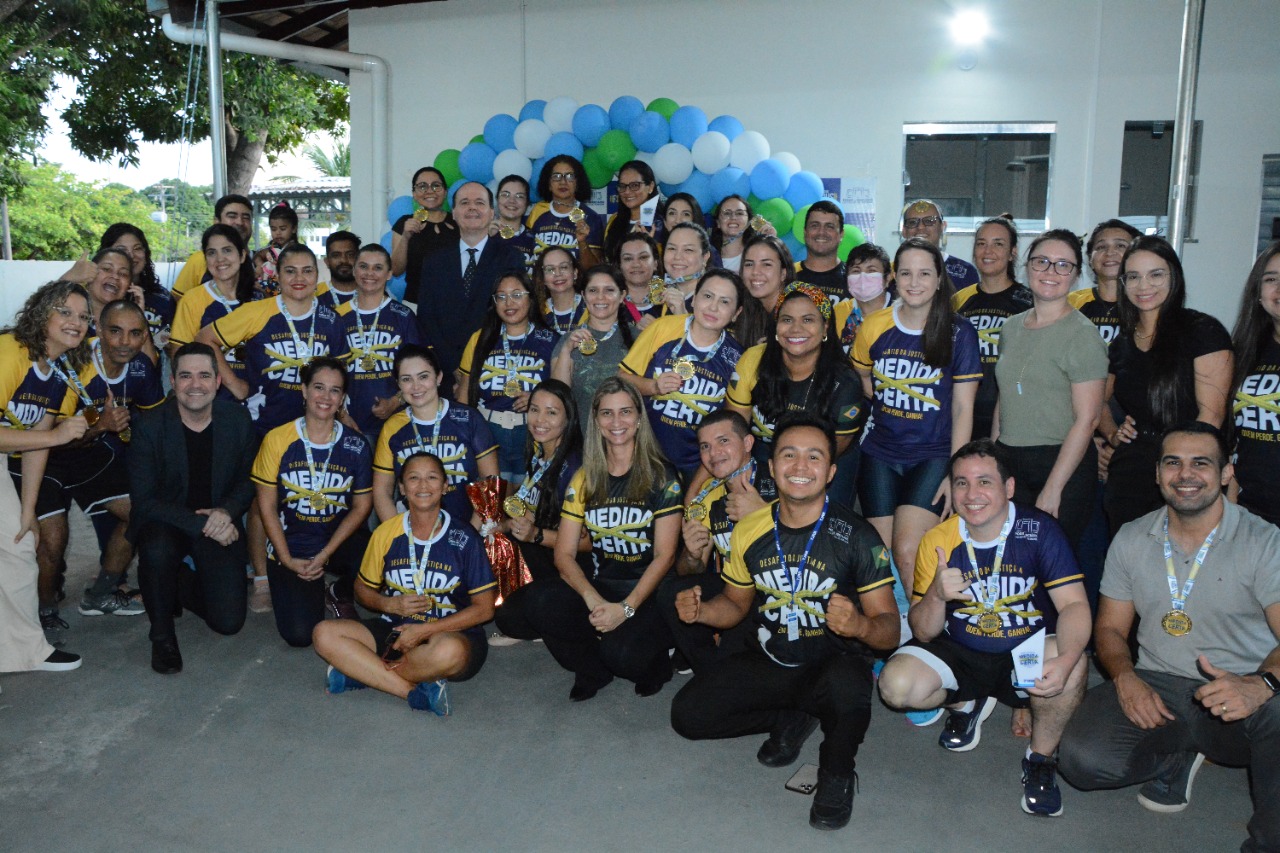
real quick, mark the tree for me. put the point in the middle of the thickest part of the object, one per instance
(335, 165)
(132, 85)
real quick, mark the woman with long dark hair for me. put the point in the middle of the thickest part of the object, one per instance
(418, 234)
(1256, 341)
(608, 327)
(685, 256)
(511, 205)
(627, 499)
(733, 230)
(503, 362)
(639, 259)
(636, 185)
(1169, 365)
(919, 366)
(230, 285)
(562, 218)
(556, 292)
(767, 270)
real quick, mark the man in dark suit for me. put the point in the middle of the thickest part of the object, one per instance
(457, 286)
(189, 464)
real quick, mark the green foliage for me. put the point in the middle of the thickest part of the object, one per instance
(330, 165)
(59, 217)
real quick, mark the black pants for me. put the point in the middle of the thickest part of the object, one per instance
(215, 591)
(299, 604)
(1101, 748)
(744, 694)
(510, 617)
(1131, 482)
(1031, 467)
(636, 650)
(698, 643)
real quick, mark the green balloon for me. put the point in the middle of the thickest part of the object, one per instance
(852, 238)
(797, 222)
(615, 149)
(479, 137)
(778, 212)
(447, 162)
(598, 170)
(664, 106)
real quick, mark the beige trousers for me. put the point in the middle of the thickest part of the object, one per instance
(22, 643)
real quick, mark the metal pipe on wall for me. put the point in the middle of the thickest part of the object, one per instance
(217, 125)
(1184, 123)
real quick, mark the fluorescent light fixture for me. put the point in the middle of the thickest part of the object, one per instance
(970, 27)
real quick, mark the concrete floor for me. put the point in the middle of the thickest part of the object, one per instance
(244, 751)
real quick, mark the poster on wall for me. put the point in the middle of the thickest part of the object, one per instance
(857, 197)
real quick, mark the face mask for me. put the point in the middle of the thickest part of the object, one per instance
(865, 286)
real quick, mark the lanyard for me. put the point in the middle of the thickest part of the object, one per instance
(420, 566)
(71, 378)
(795, 576)
(513, 374)
(293, 331)
(713, 484)
(675, 353)
(554, 316)
(100, 363)
(991, 588)
(677, 280)
(366, 338)
(526, 490)
(441, 408)
(1178, 600)
(317, 480)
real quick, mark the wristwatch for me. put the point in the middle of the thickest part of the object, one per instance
(1269, 680)
(627, 610)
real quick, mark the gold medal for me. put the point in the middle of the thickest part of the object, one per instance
(990, 623)
(758, 222)
(589, 346)
(577, 215)
(1176, 623)
(506, 232)
(656, 288)
(684, 369)
(91, 415)
(368, 364)
(514, 507)
(126, 435)
(512, 387)
(421, 214)
(695, 512)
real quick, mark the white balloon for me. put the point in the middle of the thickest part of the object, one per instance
(531, 138)
(711, 152)
(672, 163)
(645, 157)
(558, 114)
(791, 161)
(744, 152)
(512, 162)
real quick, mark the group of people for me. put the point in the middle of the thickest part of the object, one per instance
(804, 482)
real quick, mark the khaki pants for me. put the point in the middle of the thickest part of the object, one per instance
(22, 643)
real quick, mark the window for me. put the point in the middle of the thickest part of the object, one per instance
(976, 171)
(1146, 163)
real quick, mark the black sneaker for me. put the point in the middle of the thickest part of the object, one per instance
(832, 800)
(1041, 795)
(59, 661)
(962, 731)
(53, 625)
(338, 608)
(1170, 792)
(787, 739)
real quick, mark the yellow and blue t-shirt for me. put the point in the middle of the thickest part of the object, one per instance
(27, 394)
(199, 308)
(138, 387)
(551, 230)
(529, 364)
(462, 440)
(1104, 315)
(377, 333)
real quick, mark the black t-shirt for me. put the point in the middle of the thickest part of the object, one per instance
(199, 467)
(1132, 368)
(433, 236)
(987, 312)
(1257, 420)
(832, 282)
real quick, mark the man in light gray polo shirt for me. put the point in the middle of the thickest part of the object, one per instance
(1203, 576)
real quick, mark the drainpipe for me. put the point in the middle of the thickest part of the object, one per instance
(374, 66)
(1184, 123)
(217, 127)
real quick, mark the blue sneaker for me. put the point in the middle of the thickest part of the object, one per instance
(1040, 793)
(431, 696)
(963, 731)
(925, 718)
(336, 682)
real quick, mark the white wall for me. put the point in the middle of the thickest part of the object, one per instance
(833, 81)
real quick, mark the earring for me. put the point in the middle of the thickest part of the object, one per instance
(824, 339)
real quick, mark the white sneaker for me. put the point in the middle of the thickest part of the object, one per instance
(497, 638)
(260, 597)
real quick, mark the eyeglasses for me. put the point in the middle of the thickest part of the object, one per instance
(564, 177)
(562, 269)
(423, 186)
(734, 214)
(67, 314)
(631, 187)
(507, 195)
(1042, 264)
(917, 221)
(514, 296)
(1155, 278)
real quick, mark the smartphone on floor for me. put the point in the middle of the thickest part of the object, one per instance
(805, 779)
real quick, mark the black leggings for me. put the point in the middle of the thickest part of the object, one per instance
(1031, 467)
(1131, 482)
(299, 604)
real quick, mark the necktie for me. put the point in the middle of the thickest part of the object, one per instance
(470, 272)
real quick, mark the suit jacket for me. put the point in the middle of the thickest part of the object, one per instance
(157, 460)
(447, 317)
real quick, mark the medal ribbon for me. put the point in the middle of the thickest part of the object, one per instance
(100, 365)
(715, 348)
(369, 347)
(1178, 600)
(712, 485)
(71, 378)
(293, 331)
(420, 566)
(301, 425)
(1267, 402)
(553, 316)
(990, 588)
(525, 492)
(904, 385)
(795, 575)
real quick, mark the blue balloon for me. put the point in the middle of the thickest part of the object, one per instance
(396, 286)
(698, 185)
(590, 123)
(533, 178)
(769, 179)
(729, 181)
(804, 188)
(687, 124)
(476, 162)
(533, 109)
(650, 131)
(400, 206)
(385, 241)
(798, 251)
(500, 132)
(728, 125)
(624, 110)
(564, 143)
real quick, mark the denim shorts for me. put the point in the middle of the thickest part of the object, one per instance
(885, 486)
